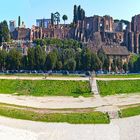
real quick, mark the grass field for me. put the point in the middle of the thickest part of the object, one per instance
(131, 111)
(33, 114)
(45, 87)
(119, 76)
(118, 87)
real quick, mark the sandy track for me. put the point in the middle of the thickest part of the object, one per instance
(121, 129)
(62, 78)
(70, 102)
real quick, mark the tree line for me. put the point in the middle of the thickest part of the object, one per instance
(66, 54)
(54, 54)
(79, 14)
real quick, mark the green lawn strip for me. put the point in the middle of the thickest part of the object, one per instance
(73, 118)
(130, 111)
(118, 87)
(46, 87)
(119, 76)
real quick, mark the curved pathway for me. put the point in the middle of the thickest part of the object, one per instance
(70, 102)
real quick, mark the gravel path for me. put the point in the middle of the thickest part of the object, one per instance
(63, 78)
(119, 129)
(70, 102)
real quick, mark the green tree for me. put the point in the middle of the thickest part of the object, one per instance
(52, 19)
(51, 60)
(70, 64)
(75, 12)
(79, 12)
(40, 58)
(104, 60)
(114, 65)
(86, 59)
(13, 60)
(132, 65)
(57, 17)
(59, 65)
(68, 54)
(3, 55)
(125, 67)
(82, 14)
(137, 65)
(119, 64)
(65, 17)
(95, 62)
(106, 64)
(31, 58)
(101, 56)
(4, 32)
(24, 62)
(19, 21)
(78, 59)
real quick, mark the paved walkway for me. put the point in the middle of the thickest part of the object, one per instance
(118, 129)
(94, 87)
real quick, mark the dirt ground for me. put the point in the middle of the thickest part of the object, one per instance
(71, 102)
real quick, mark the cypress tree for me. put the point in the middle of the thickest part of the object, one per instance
(79, 12)
(19, 21)
(75, 12)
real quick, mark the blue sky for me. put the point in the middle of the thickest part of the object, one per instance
(30, 10)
